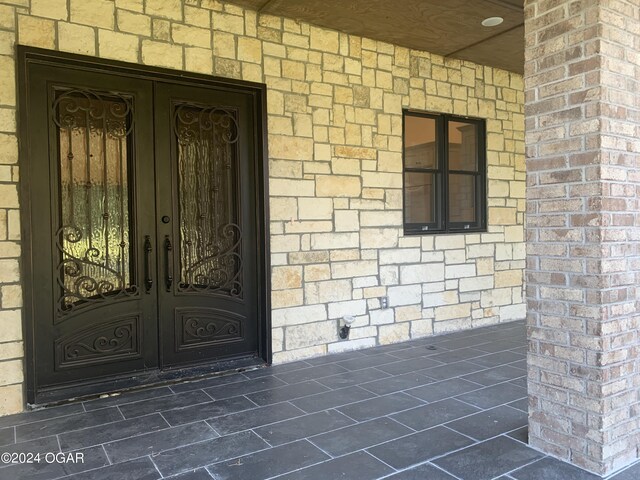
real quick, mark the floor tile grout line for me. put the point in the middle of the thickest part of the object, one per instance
(106, 454)
(155, 466)
(526, 464)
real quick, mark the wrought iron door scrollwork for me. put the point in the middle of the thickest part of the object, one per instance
(207, 328)
(113, 340)
(92, 237)
(210, 248)
(221, 270)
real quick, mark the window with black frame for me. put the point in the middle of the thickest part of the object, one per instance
(444, 173)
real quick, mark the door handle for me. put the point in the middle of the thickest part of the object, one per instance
(148, 281)
(167, 261)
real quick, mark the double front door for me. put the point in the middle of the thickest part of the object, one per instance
(143, 211)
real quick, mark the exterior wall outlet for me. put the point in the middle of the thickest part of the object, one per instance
(384, 302)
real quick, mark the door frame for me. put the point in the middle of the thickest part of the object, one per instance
(258, 91)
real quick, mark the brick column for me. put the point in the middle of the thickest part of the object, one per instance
(583, 229)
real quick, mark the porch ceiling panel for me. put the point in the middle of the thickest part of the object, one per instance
(447, 27)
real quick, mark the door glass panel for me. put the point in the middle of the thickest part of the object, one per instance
(462, 198)
(208, 203)
(93, 238)
(419, 197)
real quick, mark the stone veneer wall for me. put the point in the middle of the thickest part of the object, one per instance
(335, 146)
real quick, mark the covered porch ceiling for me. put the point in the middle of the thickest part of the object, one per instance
(451, 28)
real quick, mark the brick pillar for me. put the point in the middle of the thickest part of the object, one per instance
(582, 93)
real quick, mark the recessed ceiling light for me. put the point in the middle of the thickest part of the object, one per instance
(492, 21)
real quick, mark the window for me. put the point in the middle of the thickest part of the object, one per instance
(444, 174)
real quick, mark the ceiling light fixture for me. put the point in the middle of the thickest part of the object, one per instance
(492, 21)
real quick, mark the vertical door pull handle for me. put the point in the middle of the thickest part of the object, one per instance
(167, 261)
(148, 281)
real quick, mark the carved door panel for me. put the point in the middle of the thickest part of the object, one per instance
(90, 158)
(206, 201)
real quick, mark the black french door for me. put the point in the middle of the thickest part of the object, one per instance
(146, 241)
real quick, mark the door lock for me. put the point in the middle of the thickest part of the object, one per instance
(165, 219)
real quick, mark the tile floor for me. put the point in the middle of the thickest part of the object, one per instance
(439, 408)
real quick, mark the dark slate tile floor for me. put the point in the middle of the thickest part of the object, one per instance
(439, 408)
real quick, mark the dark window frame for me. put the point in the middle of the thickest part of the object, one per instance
(442, 207)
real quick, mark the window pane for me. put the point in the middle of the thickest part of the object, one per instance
(463, 146)
(462, 198)
(420, 142)
(419, 197)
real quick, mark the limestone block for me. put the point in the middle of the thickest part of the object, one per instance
(131, 22)
(291, 188)
(298, 315)
(299, 336)
(508, 278)
(381, 219)
(393, 333)
(327, 241)
(11, 296)
(404, 295)
(227, 68)
(338, 186)
(13, 350)
(315, 208)
(299, 354)
(346, 221)
(338, 310)
(360, 268)
(161, 54)
(133, 5)
(283, 208)
(476, 283)
(11, 372)
(317, 272)
(433, 272)
(400, 256)
(171, 9)
(224, 45)
(325, 40)
(287, 298)
(290, 148)
(56, 9)
(198, 60)
(329, 291)
(36, 32)
(448, 312)
(10, 326)
(285, 243)
(8, 150)
(76, 38)
(411, 312)
(437, 299)
(379, 237)
(197, 16)
(193, 36)
(119, 46)
(7, 120)
(496, 297)
(286, 277)
(228, 23)
(249, 50)
(382, 179)
(8, 197)
(98, 13)
(382, 317)
(11, 399)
